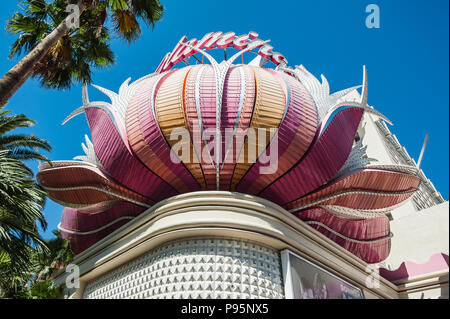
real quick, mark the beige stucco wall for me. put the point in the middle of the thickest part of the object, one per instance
(439, 291)
(419, 235)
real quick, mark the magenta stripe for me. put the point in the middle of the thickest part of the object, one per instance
(409, 269)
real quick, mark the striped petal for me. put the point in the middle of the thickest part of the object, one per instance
(270, 107)
(117, 159)
(83, 229)
(237, 110)
(148, 142)
(322, 161)
(84, 186)
(366, 189)
(200, 106)
(295, 135)
(369, 239)
(170, 115)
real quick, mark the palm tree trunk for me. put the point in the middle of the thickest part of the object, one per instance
(19, 73)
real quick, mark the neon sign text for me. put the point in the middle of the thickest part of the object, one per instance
(221, 41)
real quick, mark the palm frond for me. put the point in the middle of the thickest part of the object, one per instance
(26, 154)
(9, 123)
(31, 30)
(126, 25)
(21, 201)
(72, 59)
(21, 140)
(150, 11)
(37, 8)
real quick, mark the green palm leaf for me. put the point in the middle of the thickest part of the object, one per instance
(21, 204)
(73, 57)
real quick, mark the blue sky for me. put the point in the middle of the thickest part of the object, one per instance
(407, 62)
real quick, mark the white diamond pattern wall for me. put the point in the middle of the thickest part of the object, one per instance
(199, 268)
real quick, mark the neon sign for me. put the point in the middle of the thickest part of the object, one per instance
(219, 40)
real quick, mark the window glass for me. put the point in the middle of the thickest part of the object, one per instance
(304, 280)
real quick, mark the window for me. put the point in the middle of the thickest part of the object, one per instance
(304, 280)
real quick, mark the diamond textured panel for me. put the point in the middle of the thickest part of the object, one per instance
(197, 268)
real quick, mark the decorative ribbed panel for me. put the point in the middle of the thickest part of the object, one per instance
(119, 162)
(148, 142)
(359, 189)
(367, 200)
(368, 239)
(199, 268)
(169, 110)
(200, 102)
(242, 121)
(84, 229)
(85, 186)
(321, 163)
(270, 106)
(295, 135)
(207, 97)
(132, 157)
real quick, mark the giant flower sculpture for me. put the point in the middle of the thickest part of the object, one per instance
(321, 175)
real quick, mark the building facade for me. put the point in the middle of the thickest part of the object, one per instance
(239, 180)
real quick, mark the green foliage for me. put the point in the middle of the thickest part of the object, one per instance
(57, 256)
(26, 260)
(73, 57)
(34, 281)
(44, 289)
(21, 198)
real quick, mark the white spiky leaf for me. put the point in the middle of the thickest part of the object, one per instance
(90, 156)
